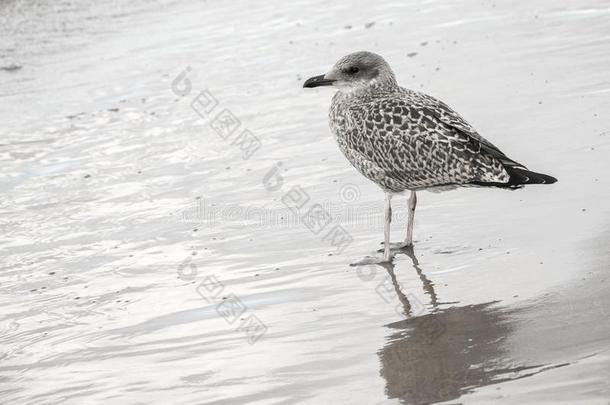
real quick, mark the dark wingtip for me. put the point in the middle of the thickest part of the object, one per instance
(551, 179)
(539, 178)
(518, 179)
(520, 176)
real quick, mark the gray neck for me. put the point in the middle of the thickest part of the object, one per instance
(376, 88)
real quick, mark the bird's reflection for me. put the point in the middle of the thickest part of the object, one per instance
(445, 353)
(428, 286)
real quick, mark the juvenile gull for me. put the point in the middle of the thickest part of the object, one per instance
(404, 140)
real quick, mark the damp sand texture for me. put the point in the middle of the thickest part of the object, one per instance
(161, 166)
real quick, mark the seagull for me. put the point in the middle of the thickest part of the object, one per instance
(404, 140)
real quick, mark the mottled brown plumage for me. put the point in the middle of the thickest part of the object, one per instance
(406, 140)
(399, 140)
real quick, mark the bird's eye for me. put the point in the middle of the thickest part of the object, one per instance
(352, 70)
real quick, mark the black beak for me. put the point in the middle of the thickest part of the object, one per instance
(317, 81)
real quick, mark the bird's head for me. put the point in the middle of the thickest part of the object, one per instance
(356, 71)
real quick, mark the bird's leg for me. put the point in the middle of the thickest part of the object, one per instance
(411, 218)
(386, 228)
(408, 242)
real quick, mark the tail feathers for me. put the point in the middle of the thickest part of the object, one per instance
(519, 176)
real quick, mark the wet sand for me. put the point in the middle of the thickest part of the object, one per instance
(149, 255)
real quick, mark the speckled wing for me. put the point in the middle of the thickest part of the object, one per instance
(412, 141)
(450, 117)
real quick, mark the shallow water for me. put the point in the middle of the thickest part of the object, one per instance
(146, 259)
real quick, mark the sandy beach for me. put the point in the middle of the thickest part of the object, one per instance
(159, 161)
